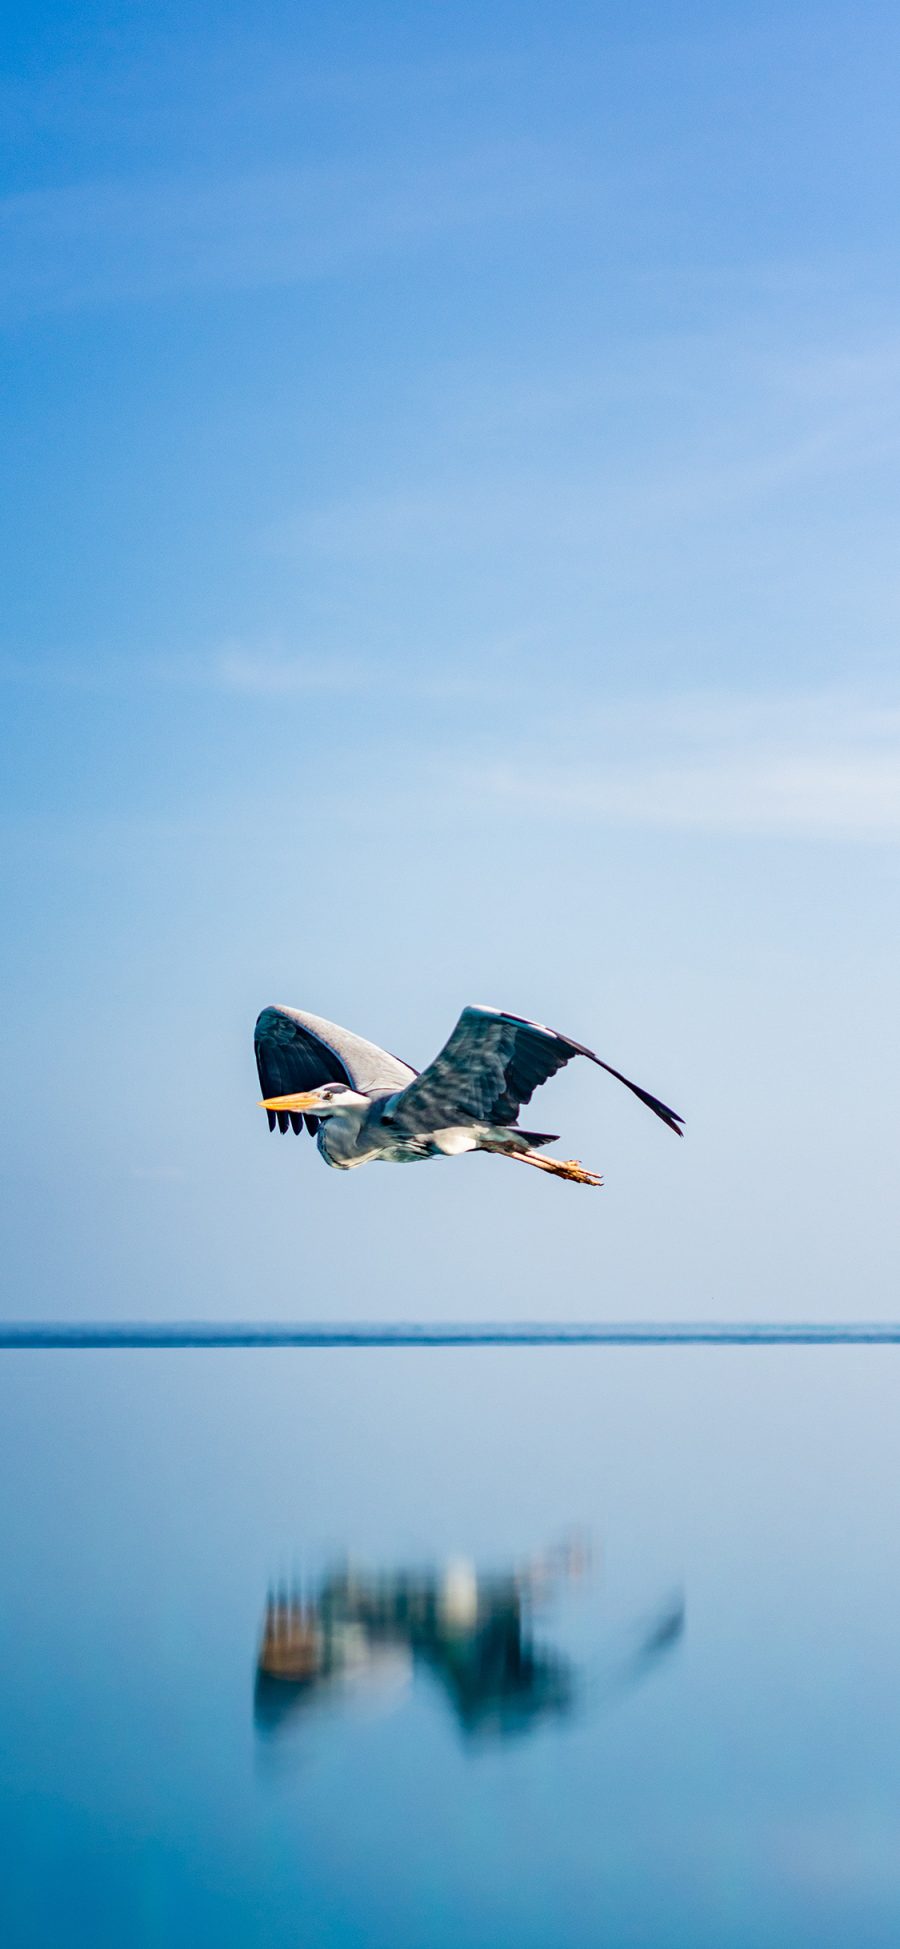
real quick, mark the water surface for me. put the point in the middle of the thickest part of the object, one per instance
(580, 1645)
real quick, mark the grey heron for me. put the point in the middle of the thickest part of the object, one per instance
(364, 1105)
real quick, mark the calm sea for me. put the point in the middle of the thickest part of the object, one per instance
(430, 1647)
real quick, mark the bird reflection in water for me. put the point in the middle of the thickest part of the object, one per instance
(473, 1632)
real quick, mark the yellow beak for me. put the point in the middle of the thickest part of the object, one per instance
(307, 1100)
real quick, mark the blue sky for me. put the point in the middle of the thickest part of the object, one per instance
(450, 555)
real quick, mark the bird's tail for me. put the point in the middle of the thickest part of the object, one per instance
(537, 1138)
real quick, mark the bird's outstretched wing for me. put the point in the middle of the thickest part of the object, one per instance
(296, 1052)
(490, 1066)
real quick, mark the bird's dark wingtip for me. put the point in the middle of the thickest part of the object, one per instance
(669, 1117)
(661, 1110)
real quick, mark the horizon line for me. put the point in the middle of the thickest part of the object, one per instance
(35, 1336)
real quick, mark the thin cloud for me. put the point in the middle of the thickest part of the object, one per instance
(817, 768)
(266, 670)
(99, 242)
(277, 673)
(257, 673)
(571, 512)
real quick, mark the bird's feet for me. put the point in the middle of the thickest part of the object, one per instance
(569, 1167)
(559, 1167)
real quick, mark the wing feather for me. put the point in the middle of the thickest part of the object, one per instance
(296, 1052)
(491, 1064)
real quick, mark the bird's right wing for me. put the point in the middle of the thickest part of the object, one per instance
(491, 1065)
(296, 1052)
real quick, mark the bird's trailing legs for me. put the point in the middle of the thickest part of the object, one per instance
(560, 1167)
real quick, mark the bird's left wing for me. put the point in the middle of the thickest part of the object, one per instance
(296, 1052)
(490, 1066)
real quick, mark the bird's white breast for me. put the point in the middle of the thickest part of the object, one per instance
(454, 1140)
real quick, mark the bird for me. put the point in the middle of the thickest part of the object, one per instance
(364, 1105)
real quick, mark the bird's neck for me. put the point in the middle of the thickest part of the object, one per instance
(339, 1133)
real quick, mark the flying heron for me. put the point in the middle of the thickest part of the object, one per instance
(363, 1104)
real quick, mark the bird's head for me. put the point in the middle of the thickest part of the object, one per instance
(323, 1102)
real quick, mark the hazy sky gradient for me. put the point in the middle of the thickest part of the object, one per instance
(450, 554)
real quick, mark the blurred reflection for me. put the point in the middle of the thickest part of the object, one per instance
(473, 1631)
(652, 1642)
